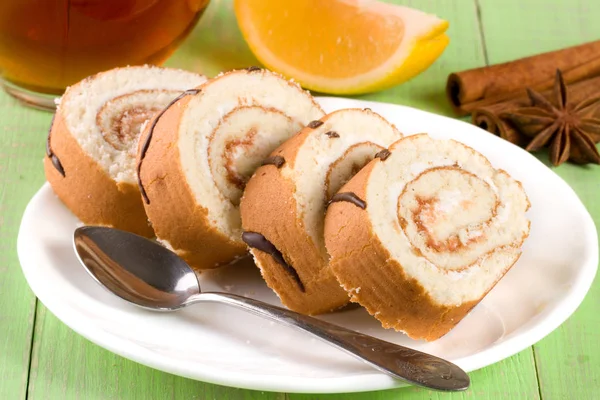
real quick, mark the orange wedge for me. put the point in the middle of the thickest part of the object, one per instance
(341, 46)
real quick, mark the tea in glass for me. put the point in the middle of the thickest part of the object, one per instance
(46, 45)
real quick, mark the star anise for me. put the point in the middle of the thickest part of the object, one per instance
(569, 129)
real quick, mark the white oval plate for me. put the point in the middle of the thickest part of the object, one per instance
(217, 344)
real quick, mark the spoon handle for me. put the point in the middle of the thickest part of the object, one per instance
(397, 361)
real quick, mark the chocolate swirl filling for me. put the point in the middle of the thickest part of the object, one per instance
(55, 161)
(350, 197)
(146, 143)
(314, 124)
(383, 154)
(254, 68)
(277, 161)
(332, 134)
(259, 242)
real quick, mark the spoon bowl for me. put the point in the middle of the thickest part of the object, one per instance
(136, 269)
(149, 275)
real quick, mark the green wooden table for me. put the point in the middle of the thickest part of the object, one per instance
(41, 358)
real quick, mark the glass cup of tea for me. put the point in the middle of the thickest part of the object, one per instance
(47, 45)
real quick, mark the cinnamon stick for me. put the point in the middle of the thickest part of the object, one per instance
(488, 116)
(482, 87)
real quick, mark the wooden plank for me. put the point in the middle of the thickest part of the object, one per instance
(465, 51)
(215, 45)
(22, 134)
(66, 366)
(513, 378)
(568, 360)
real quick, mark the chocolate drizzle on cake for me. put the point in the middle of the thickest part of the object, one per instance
(383, 154)
(350, 197)
(257, 241)
(314, 124)
(277, 161)
(254, 68)
(146, 143)
(55, 161)
(332, 134)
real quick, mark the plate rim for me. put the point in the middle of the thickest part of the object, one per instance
(361, 383)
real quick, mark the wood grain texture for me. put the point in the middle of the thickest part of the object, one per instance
(568, 360)
(465, 51)
(215, 45)
(66, 366)
(22, 134)
(513, 378)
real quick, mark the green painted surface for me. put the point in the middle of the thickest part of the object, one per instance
(63, 365)
(513, 378)
(66, 366)
(568, 360)
(22, 134)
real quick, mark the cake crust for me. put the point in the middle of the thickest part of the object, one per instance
(403, 305)
(377, 279)
(274, 205)
(87, 190)
(91, 143)
(176, 217)
(268, 197)
(190, 175)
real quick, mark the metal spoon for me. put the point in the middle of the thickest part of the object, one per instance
(145, 273)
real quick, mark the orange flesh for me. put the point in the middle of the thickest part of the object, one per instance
(346, 39)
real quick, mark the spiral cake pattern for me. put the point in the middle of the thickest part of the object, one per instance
(284, 204)
(439, 228)
(197, 155)
(93, 140)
